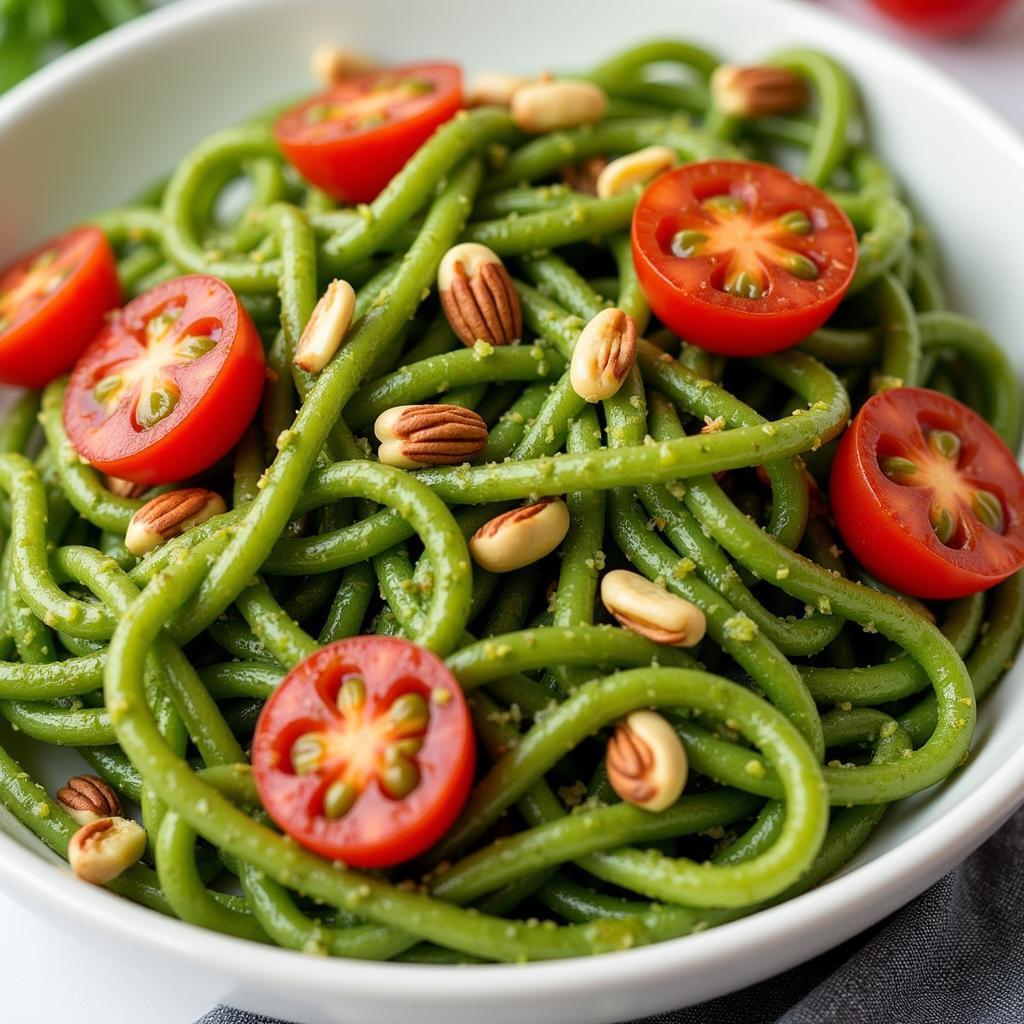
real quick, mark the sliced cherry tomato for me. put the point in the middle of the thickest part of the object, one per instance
(927, 496)
(365, 751)
(169, 384)
(741, 258)
(52, 303)
(351, 141)
(942, 17)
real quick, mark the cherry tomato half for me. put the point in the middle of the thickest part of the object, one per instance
(169, 385)
(927, 496)
(351, 141)
(741, 258)
(52, 303)
(365, 751)
(942, 17)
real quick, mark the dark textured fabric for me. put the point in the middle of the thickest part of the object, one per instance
(953, 956)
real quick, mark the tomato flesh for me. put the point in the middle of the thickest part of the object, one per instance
(943, 17)
(169, 385)
(741, 258)
(927, 496)
(365, 752)
(351, 141)
(52, 303)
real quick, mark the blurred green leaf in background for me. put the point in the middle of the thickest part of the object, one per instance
(34, 31)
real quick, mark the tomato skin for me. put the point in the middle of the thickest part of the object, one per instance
(45, 343)
(942, 17)
(220, 391)
(886, 525)
(684, 293)
(377, 830)
(354, 164)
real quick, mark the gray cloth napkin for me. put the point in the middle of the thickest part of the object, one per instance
(953, 956)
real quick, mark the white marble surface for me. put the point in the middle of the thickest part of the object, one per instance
(49, 977)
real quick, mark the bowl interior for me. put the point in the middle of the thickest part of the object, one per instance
(92, 131)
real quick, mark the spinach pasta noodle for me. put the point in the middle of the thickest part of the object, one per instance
(801, 691)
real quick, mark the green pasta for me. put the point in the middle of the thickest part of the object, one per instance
(813, 700)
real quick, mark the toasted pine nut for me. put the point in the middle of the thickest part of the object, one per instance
(650, 610)
(124, 488)
(332, 64)
(168, 515)
(103, 849)
(563, 103)
(634, 169)
(646, 761)
(323, 335)
(604, 354)
(494, 89)
(520, 537)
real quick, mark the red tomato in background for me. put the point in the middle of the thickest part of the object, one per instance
(169, 385)
(365, 751)
(52, 303)
(927, 496)
(942, 17)
(741, 258)
(351, 141)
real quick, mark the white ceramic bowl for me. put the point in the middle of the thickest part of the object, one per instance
(89, 130)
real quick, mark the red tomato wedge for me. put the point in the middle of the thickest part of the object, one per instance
(365, 752)
(943, 17)
(52, 303)
(351, 141)
(741, 258)
(927, 496)
(169, 385)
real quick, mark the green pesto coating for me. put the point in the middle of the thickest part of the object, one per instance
(706, 475)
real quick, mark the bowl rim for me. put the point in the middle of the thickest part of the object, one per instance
(857, 898)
